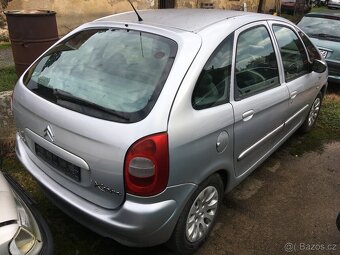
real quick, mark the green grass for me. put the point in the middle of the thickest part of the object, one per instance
(327, 129)
(71, 238)
(5, 46)
(8, 78)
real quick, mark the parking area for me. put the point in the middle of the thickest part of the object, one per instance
(286, 206)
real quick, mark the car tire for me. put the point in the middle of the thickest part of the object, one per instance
(198, 216)
(313, 114)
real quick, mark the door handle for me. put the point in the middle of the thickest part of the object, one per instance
(293, 94)
(248, 115)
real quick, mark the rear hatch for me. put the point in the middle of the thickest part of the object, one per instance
(82, 104)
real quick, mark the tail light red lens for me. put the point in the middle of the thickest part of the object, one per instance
(146, 166)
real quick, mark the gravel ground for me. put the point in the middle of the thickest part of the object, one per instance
(6, 57)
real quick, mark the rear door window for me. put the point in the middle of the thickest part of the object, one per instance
(113, 74)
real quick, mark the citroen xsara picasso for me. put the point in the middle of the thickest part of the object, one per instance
(137, 128)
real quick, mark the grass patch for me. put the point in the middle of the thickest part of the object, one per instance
(8, 78)
(293, 18)
(5, 46)
(327, 129)
(323, 9)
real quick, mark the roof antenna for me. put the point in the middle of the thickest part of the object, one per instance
(139, 17)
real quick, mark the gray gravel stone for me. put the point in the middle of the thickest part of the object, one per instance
(6, 58)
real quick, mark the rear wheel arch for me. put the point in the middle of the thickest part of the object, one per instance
(211, 190)
(224, 175)
(323, 90)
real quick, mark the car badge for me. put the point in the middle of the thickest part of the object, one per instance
(49, 133)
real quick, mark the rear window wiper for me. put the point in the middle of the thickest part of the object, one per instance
(66, 96)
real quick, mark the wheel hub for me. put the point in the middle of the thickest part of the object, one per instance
(201, 214)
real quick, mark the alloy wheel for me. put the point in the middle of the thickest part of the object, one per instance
(314, 111)
(202, 214)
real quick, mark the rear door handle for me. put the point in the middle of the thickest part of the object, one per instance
(248, 115)
(293, 94)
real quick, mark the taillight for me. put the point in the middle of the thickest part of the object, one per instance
(146, 166)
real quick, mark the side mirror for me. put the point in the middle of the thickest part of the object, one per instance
(318, 66)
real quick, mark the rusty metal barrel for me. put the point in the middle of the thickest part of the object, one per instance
(31, 33)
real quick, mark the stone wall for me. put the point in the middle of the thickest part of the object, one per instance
(71, 14)
(7, 126)
(4, 37)
(219, 4)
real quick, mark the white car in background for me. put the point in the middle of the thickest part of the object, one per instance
(333, 4)
(22, 229)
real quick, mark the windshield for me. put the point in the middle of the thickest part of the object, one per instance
(112, 74)
(321, 27)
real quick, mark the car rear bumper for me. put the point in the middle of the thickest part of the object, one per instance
(137, 222)
(47, 240)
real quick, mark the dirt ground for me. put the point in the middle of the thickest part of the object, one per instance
(287, 205)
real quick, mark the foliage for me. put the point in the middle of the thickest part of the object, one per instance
(4, 3)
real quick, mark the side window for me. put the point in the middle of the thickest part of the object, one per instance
(256, 67)
(312, 51)
(293, 54)
(212, 87)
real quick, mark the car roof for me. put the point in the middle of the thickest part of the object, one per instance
(192, 20)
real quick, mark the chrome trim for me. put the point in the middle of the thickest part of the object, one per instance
(49, 133)
(60, 152)
(296, 114)
(268, 153)
(269, 135)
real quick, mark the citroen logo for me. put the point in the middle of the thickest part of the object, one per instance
(49, 133)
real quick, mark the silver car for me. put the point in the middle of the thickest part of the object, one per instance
(333, 4)
(22, 229)
(137, 128)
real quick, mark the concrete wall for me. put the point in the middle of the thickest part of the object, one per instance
(72, 13)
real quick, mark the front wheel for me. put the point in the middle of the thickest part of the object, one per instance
(313, 114)
(198, 217)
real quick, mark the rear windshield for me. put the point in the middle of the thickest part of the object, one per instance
(112, 74)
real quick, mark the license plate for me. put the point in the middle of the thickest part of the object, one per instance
(58, 163)
(323, 53)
